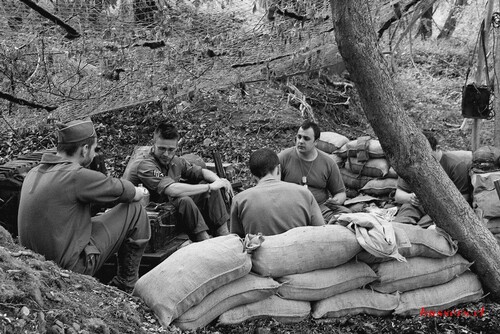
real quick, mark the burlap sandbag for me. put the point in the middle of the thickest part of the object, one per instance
(417, 272)
(463, 289)
(190, 274)
(303, 249)
(248, 289)
(324, 283)
(374, 167)
(355, 302)
(380, 187)
(493, 225)
(354, 180)
(351, 149)
(338, 160)
(426, 242)
(429, 242)
(281, 310)
(331, 142)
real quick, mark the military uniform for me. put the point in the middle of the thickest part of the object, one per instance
(197, 213)
(54, 215)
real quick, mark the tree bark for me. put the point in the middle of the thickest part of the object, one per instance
(451, 21)
(425, 27)
(496, 83)
(406, 147)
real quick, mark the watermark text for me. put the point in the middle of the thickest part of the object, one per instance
(452, 313)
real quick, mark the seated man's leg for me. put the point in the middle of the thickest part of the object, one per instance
(214, 209)
(191, 219)
(425, 221)
(124, 229)
(408, 214)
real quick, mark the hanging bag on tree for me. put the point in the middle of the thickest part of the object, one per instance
(475, 97)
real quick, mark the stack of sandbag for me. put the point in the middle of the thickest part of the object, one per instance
(433, 276)
(193, 273)
(485, 198)
(366, 168)
(310, 263)
(249, 289)
(331, 143)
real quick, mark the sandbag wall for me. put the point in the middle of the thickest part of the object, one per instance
(486, 200)
(433, 278)
(319, 271)
(362, 163)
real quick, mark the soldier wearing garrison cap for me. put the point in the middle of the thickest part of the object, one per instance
(54, 210)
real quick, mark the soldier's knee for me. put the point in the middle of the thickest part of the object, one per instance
(185, 202)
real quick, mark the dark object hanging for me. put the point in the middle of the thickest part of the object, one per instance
(476, 101)
(476, 98)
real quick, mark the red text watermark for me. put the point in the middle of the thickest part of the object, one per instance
(452, 313)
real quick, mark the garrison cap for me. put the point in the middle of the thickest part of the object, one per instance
(75, 131)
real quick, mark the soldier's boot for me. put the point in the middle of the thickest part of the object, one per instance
(129, 260)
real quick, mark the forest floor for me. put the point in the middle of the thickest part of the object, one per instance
(36, 296)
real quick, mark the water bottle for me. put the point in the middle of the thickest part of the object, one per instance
(145, 197)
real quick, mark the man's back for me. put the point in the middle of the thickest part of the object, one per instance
(273, 207)
(457, 167)
(54, 209)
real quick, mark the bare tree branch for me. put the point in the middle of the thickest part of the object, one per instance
(71, 32)
(398, 13)
(24, 102)
(421, 8)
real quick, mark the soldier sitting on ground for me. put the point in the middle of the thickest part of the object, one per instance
(55, 215)
(272, 206)
(456, 166)
(198, 200)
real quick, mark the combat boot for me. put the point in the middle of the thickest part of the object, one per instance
(129, 260)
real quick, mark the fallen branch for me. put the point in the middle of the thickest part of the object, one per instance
(420, 9)
(24, 102)
(125, 106)
(335, 84)
(299, 97)
(71, 32)
(260, 61)
(398, 14)
(286, 13)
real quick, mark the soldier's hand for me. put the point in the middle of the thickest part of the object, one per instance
(217, 184)
(414, 200)
(139, 194)
(229, 188)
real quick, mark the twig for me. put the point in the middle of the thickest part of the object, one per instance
(24, 102)
(398, 15)
(260, 61)
(71, 32)
(298, 96)
(39, 60)
(420, 9)
(8, 124)
(197, 76)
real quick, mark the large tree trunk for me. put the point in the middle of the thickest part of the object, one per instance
(404, 144)
(451, 21)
